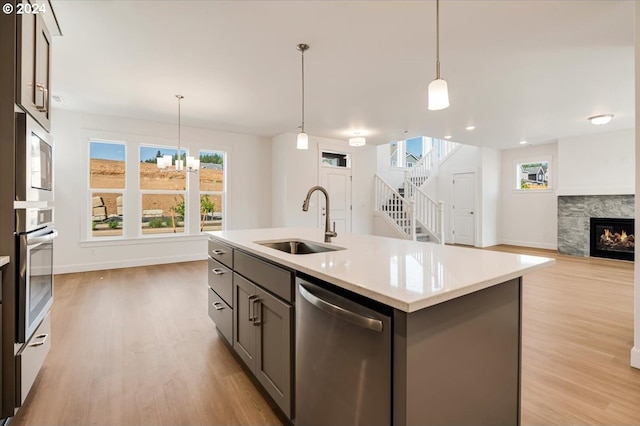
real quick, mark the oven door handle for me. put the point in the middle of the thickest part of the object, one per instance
(43, 238)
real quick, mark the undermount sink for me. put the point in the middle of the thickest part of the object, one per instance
(298, 246)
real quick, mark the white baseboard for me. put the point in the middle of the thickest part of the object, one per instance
(98, 266)
(548, 246)
(487, 244)
(635, 357)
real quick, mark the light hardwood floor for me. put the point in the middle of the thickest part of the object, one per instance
(136, 347)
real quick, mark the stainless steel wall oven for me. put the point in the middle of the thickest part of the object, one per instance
(35, 271)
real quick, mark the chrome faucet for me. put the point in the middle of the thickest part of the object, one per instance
(305, 207)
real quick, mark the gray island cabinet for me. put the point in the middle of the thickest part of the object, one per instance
(455, 322)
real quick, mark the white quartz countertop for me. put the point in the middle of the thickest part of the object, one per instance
(4, 260)
(406, 275)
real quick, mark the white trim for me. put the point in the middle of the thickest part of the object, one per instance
(488, 244)
(146, 239)
(548, 246)
(635, 357)
(97, 266)
(614, 190)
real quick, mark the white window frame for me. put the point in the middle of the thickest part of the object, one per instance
(132, 201)
(223, 193)
(88, 216)
(184, 193)
(529, 160)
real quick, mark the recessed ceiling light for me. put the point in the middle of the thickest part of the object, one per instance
(598, 120)
(470, 127)
(448, 137)
(523, 142)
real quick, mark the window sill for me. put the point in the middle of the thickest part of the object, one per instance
(533, 191)
(154, 239)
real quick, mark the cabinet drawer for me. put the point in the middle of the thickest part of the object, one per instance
(221, 252)
(222, 315)
(221, 281)
(31, 357)
(278, 281)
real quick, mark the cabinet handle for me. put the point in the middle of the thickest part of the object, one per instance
(251, 313)
(218, 252)
(219, 306)
(41, 342)
(45, 92)
(218, 271)
(257, 319)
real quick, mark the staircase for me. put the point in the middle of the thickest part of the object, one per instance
(409, 210)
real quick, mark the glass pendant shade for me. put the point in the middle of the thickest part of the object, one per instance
(303, 141)
(438, 95)
(357, 141)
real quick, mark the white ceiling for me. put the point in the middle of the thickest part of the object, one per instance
(531, 70)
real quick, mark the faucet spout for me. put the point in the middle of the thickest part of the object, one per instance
(328, 233)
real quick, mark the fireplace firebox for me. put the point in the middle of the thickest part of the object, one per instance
(612, 238)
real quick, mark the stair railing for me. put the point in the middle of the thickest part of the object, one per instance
(429, 213)
(418, 174)
(400, 211)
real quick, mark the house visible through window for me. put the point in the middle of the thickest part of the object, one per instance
(407, 153)
(107, 172)
(532, 175)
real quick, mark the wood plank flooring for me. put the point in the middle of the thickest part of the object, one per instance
(136, 347)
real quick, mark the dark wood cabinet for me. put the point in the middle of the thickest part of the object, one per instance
(34, 67)
(258, 296)
(263, 338)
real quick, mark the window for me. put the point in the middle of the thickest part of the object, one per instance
(532, 175)
(336, 159)
(130, 198)
(408, 152)
(163, 194)
(107, 172)
(212, 190)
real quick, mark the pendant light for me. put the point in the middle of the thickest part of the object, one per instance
(438, 91)
(303, 138)
(164, 162)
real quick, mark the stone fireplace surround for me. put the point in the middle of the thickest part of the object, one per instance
(574, 212)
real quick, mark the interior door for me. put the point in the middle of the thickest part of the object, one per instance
(337, 182)
(464, 202)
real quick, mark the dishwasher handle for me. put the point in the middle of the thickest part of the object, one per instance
(340, 312)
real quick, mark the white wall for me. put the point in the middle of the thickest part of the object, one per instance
(295, 171)
(490, 196)
(635, 352)
(528, 219)
(465, 160)
(600, 164)
(393, 176)
(248, 200)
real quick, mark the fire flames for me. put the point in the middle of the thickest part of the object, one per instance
(617, 241)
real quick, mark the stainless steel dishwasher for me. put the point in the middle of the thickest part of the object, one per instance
(343, 359)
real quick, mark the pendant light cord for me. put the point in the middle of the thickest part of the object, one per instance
(179, 98)
(302, 90)
(437, 39)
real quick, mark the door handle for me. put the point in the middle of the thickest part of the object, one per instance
(218, 271)
(257, 319)
(251, 313)
(219, 306)
(340, 312)
(218, 252)
(41, 342)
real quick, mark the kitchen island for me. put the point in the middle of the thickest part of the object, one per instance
(455, 317)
